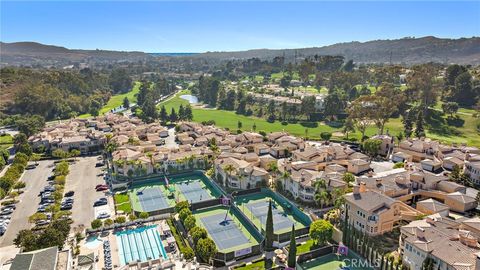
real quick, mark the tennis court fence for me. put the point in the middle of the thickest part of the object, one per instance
(322, 251)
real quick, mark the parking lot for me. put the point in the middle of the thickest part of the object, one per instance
(82, 179)
(36, 179)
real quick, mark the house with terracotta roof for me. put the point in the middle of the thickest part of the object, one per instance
(375, 213)
(440, 239)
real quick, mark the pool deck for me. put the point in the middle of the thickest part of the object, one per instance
(98, 251)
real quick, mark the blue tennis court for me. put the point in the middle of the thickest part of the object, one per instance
(152, 198)
(194, 191)
(225, 234)
(260, 210)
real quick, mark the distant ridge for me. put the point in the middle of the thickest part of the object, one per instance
(404, 51)
(32, 53)
(172, 54)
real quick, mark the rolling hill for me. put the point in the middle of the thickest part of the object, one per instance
(403, 51)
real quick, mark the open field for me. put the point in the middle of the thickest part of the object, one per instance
(6, 141)
(464, 132)
(229, 119)
(117, 100)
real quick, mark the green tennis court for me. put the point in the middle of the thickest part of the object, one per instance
(229, 236)
(333, 261)
(255, 207)
(160, 193)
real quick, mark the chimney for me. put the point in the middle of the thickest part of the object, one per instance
(430, 220)
(467, 155)
(363, 187)
(356, 189)
(420, 233)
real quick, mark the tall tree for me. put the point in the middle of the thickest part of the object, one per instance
(120, 81)
(408, 124)
(173, 116)
(334, 103)
(181, 112)
(423, 83)
(269, 228)
(126, 103)
(149, 110)
(163, 114)
(308, 106)
(419, 129)
(292, 251)
(188, 113)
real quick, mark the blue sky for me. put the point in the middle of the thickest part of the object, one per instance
(159, 26)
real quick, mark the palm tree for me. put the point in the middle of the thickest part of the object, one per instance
(273, 167)
(321, 198)
(320, 185)
(337, 197)
(150, 156)
(285, 176)
(229, 169)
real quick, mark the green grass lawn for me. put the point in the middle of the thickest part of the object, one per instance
(6, 139)
(311, 89)
(305, 247)
(229, 119)
(260, 265)
(464, 132)
(117, 100)
(121, 198)
(122, 203)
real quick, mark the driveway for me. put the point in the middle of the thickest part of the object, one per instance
(36, 180)
(82, 179)
(170, 140)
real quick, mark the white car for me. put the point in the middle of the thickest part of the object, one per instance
(103, 215)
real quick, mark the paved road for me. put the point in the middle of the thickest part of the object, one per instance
(82, 179)
(36, 180)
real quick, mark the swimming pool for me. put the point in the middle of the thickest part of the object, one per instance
(140, 244)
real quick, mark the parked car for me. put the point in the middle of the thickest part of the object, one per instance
(99, 164)
(5, 222)
(100, 185)
(102, 188)
(69, 193)
(51, 178)
(49, 188)
(7, 212)
(68, 200)
(103, 215)
(67, 206)
(30, 167)
(42, 222)
(47, 200)
(41, 209)
(99, 203)
(10, 206)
